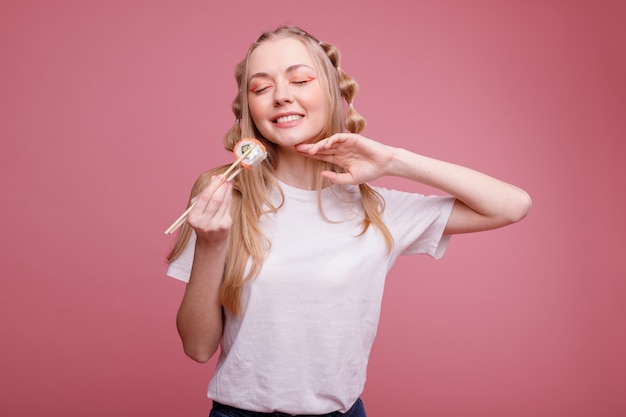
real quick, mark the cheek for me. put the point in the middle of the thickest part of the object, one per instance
(253, 105)
(255, 110)
(320, 99)
(319, 103)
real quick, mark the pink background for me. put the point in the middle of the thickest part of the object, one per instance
(110, 109)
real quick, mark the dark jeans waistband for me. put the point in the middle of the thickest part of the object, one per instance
(237, 412)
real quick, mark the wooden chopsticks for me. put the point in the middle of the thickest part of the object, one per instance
(178, 222)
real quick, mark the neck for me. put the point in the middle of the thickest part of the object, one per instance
(296, 170)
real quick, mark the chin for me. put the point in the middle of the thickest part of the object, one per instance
(290, 141)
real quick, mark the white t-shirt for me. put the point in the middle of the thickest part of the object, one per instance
(309, 318)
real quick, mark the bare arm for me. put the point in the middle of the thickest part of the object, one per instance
(483, 202)
(200, 319)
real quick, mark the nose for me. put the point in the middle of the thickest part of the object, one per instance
(282, 94)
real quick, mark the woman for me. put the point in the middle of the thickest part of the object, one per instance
(286, 264)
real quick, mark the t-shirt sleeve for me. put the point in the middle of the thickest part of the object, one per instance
(180, 268)
(417, 222)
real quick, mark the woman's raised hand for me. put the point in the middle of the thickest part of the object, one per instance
(363, 159)
(210, 217)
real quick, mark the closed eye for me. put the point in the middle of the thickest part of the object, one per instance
(303, 81)
(261, 89)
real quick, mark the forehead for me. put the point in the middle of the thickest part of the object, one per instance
(276, 55)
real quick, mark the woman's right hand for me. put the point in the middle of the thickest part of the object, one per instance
(210, 217)
(199, 319)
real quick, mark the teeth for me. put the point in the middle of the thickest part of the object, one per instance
(289, 118)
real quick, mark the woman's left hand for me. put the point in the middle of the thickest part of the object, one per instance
(363, 159)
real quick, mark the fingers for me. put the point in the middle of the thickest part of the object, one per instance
(307, 149)
(329, 143)
(223, 195)
(323, 146)
(313, 151)
(203, 199)
(212, 209)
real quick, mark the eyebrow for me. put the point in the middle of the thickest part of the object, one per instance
(291, 68)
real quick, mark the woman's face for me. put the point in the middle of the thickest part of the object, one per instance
(284, 92)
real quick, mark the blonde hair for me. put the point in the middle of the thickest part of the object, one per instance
(250, 198)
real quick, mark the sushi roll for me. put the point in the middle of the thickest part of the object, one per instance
(255, 156)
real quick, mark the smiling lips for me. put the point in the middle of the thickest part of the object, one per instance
(288, 118)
